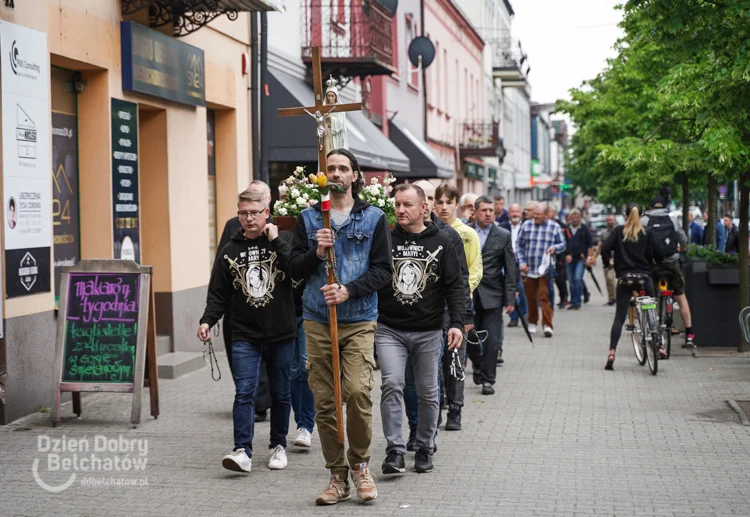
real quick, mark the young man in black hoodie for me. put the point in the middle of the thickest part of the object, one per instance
(252, 276)
(426, 277)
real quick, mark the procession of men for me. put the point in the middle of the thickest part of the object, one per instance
(424, 297)
(427, 297)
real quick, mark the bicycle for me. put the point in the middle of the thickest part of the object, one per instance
(666, 304)
(643, 327)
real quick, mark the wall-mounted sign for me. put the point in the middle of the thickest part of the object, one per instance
(158, 65)
(27, 186)
(125, 180)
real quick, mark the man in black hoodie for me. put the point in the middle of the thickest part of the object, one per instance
(426, 277)
(232, 226)
(252, 276)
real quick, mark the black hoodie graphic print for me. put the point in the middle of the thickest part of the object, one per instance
(252, 276)
(426, 276)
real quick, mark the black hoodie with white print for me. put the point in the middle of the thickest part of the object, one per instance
(252, 276)
(426, 276)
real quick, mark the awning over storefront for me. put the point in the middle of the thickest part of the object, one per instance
(292, 139)
(425, 163)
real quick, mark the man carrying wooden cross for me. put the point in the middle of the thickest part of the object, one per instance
(360, 239)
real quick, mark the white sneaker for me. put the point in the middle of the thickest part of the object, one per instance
(532, 328)
(238, 461)
(304, 438)
(278, 459)
(548, 331)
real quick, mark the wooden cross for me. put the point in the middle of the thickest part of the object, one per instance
(319, 111)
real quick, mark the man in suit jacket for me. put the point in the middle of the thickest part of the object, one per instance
(496, 291)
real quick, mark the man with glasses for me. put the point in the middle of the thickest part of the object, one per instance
(231, 228)
(467, 208)
(252, 276)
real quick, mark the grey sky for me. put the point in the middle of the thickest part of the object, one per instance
(567, 42)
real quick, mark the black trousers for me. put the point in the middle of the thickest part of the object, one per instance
(561, 281)
(452, 387)
(624, 295)
(263, 394)
(490, 320)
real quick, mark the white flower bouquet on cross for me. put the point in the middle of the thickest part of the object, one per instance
(378, 193)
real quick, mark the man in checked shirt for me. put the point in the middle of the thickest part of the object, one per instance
(538, 238)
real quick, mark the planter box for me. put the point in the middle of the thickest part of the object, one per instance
(714, 306)
(699, 265)
(724, 275)
(285, 222)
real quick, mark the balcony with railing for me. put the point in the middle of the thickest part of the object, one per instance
(478, 139)
(509, 62)
(354, 36)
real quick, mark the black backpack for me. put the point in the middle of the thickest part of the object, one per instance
(665, 232)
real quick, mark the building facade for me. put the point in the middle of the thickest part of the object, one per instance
(457, 127)
(143, 136)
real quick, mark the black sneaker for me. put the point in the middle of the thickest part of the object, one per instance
(423, 461)
(487, 389)
(512, 323)
(500, 359)
(412, 439)
(260, 416)
(453, 422)
(477, 377)
(394, 463)
(586, 297)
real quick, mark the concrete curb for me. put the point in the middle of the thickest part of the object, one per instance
(738, 410)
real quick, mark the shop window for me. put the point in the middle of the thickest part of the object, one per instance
(65, 194)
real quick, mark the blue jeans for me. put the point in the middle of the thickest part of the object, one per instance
(246, 361)
(411, 398)
(303, 402)
(522, 303)
(575, 271)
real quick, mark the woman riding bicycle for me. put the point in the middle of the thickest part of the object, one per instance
(634, 250)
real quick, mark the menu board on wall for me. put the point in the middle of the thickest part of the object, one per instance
(27, 186)
(125, 180)
(65, 194)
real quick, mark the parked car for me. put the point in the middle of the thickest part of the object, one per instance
(676, 216)
(598, 224)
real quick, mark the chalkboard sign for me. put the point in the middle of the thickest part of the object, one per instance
(105, 322)
(101, 327)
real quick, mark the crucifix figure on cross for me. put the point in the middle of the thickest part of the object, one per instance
(319, 112)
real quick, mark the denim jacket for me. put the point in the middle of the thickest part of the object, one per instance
(363, 262)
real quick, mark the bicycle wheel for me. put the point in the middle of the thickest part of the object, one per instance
(665, 323)
(636, 337)
(669, 325)
(651, 340)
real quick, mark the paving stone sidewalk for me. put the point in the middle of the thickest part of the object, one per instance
(562, 437)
